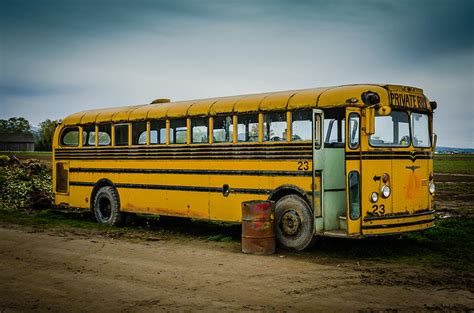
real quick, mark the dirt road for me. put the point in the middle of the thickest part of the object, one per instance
(59, 271)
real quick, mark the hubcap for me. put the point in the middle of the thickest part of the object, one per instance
(290, 223)
(105, 208)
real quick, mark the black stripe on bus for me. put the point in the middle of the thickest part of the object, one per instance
(383, 226)
(190, 172)
(187, 188)
(179, 188)
(389, 157)
(389, 152)
(397, 216)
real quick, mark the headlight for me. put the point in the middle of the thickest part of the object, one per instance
(432, 188)
(374, 197)
(385, 191)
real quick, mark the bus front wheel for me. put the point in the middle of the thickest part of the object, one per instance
(107, 207)
(293, 223)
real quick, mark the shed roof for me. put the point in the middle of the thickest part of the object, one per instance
(17, 138)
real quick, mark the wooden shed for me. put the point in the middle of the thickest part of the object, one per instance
(17, 142)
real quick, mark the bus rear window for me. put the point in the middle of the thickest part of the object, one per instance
(70, 137)
(391, 130)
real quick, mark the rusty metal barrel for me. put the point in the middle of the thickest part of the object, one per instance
(258, 236)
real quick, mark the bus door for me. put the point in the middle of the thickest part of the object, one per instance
(318, 166)
(353, 171)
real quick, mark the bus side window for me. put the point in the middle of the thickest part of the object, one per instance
(274, 126)
(353, 132)
(88, 135)
(139, 133)
(178, 131)
(70, 137)
(222, 129)
(105, 134)
(301, 125)
(247, 128)
(158, 132)
(199, 130)
(121, 135)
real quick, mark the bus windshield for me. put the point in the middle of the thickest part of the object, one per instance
(391, 130)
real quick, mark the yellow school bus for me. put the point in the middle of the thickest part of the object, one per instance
(349, 161)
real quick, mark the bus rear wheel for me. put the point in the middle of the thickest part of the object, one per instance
(107, 207)
(293, 223)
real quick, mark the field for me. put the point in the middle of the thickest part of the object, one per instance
(61, 260)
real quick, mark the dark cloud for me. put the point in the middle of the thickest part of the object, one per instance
(115, 52)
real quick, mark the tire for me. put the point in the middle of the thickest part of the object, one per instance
(107, 207)
(293, 223)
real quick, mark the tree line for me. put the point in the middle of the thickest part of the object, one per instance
(21, 126)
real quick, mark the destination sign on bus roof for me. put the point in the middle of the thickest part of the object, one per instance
(406, 100)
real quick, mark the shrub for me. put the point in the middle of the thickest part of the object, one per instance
(24, 186)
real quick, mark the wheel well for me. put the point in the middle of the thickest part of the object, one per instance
(101, 183)
(286, 190)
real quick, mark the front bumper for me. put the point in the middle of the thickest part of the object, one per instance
(397, 223)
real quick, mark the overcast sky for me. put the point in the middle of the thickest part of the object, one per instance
(60, 57)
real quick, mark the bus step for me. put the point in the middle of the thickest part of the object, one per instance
(343, 222)
(336, 233)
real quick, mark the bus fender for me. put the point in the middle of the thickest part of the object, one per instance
(99, 184)
(285, 190)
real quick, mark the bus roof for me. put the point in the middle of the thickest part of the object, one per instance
(325, 97)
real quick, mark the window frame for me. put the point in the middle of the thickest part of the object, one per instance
(114, 137)
(348, 137)
(191, 133)
(262, 126)
(147, 140)
(63, 134)
(158, 138)
(412, 129)
(111, 134)
(95, 136)
(169, 128)
(232, 136)
(392, 146)
(259, 123)
(310, 121)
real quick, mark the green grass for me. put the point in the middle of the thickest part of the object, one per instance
(454, 163)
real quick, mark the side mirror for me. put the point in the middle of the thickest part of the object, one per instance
(435, 139)
(369, 121)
